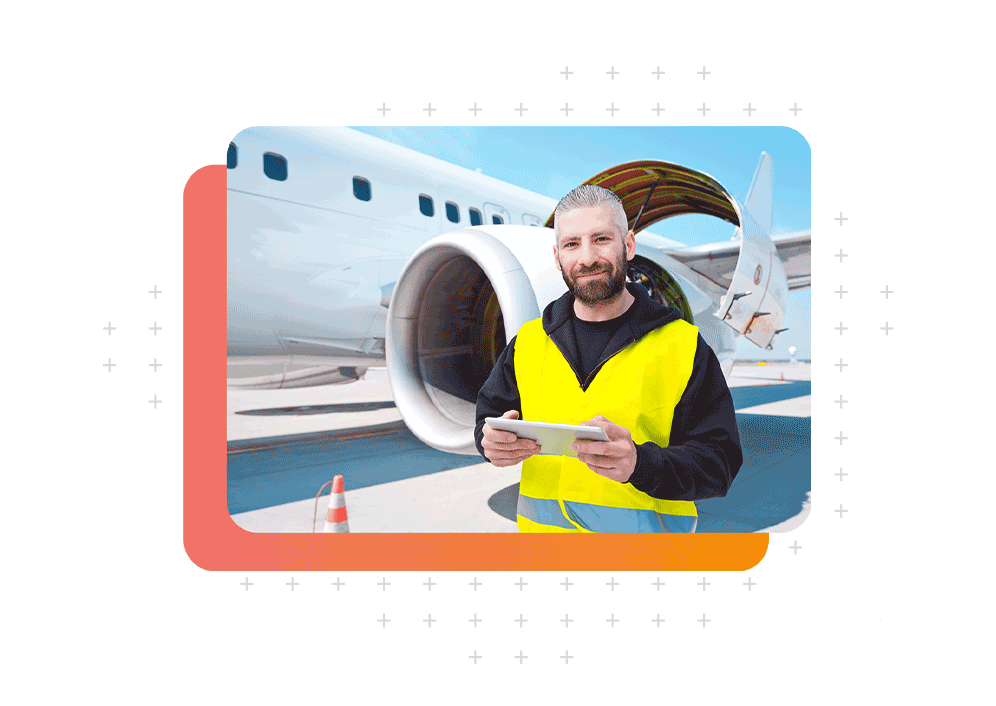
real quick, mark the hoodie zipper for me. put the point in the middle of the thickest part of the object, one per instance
(598, 367)
(584, 385)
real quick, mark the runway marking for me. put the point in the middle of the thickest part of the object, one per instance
(317, 437)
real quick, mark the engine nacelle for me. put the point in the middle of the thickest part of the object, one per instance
(456, 303)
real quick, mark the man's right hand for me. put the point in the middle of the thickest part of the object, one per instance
(504, 448)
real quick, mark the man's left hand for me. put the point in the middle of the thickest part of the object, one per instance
(615, 458)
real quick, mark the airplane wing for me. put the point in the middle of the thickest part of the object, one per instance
(794, 251)
(718, 261)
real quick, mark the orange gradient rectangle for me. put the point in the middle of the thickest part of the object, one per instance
(213, 541)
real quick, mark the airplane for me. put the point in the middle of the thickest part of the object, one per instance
(347, 252)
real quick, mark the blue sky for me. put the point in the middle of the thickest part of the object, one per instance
(553, 160)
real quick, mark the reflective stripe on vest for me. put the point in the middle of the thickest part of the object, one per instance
(638, 388)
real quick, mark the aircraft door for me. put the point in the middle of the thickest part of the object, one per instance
(756, 301)
(493, 211)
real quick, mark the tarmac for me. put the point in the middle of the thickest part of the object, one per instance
(283, 445)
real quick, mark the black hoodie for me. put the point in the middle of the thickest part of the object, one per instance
(703, 455)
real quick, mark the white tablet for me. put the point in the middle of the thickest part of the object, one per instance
(555, 439)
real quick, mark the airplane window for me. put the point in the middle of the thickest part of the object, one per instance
(475, 217)
(452, 212)
(425, 205)
(233, 155)
(497, 220)
(361, 188)
(275, 166)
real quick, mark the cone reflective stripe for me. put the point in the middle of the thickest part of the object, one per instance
(335, 516)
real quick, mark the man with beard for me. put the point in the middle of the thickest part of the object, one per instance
(607, 355)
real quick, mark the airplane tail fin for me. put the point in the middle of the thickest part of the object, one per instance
(759, 203)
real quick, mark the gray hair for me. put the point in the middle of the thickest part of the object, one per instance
(588, 195)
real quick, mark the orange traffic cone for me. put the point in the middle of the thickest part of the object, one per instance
(335, 516)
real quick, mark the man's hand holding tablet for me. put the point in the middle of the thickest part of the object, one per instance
(504, 448)
(551, 439)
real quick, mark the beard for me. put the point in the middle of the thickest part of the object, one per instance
(599, 289)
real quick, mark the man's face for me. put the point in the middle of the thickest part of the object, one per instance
(591, 254)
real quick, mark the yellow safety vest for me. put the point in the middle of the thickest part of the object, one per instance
(638, 388)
